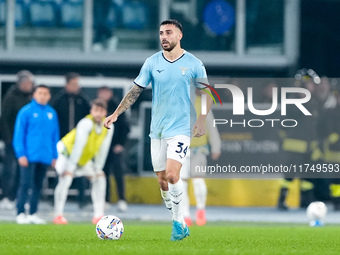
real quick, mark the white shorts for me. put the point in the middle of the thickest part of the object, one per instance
(175, 148)
(196, 159)
(61, 164)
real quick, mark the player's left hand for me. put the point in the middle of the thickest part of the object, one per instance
(199, 127)
(215, 155)
(110, 119)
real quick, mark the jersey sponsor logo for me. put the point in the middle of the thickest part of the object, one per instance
(159, 71)
(183, 69)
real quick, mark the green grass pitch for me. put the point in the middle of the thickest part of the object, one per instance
(154, 238)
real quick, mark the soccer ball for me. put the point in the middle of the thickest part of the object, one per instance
(109, 227)
(316, 212)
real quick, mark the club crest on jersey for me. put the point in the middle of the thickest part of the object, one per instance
(183, 69)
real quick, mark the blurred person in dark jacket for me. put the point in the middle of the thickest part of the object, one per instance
(2, 150)
(330, 135)
(2, 156)
(17, 96)
(71, 105)
(300, 144)
(114, 163)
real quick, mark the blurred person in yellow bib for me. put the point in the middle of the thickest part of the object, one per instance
(83, 152)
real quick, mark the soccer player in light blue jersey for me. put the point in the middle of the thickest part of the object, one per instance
(171, 73)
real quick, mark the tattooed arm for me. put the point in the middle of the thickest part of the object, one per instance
(129, 99)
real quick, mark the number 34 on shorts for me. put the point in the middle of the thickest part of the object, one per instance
(181, 150)
(175, 147)
(178, 147)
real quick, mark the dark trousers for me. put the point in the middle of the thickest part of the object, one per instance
(31, 178)
(81, 184)
(306, 195)
(10, 176)
(113, 166)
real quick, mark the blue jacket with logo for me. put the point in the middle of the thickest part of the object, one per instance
(36, 133)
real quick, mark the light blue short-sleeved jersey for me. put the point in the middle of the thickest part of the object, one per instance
(173, 85)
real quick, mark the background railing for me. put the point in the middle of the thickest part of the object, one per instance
(234, 33)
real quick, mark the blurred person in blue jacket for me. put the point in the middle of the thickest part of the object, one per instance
(36, 134)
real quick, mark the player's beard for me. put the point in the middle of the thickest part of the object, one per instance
(171, 46)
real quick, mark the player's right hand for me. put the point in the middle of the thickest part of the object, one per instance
(110, 119)
(23, 161)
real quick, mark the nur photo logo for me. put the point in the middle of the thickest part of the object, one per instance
(204, 97)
